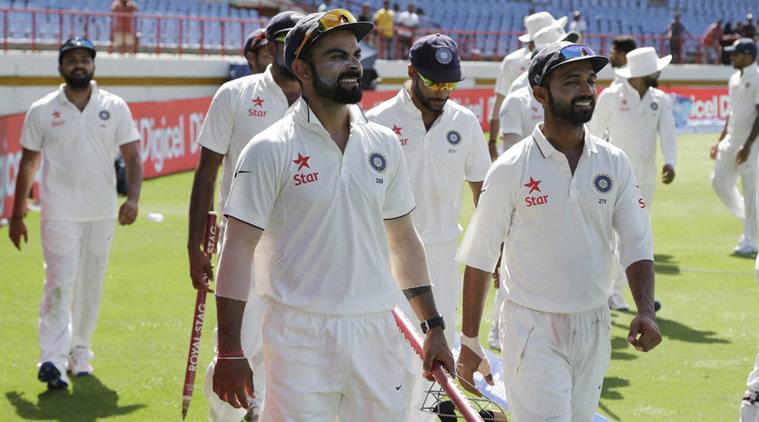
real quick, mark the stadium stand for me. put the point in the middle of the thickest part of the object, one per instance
(489, 27)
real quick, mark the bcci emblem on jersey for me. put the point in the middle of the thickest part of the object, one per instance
(453, 137)
(654, 106)
(378, 162)
(104, 115)
(602, 183)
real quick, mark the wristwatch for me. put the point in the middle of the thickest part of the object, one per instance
(432, 323)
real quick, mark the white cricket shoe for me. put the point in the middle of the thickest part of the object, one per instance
(744, 249)
(494, 337)
(79, 362)
(617, 303)
(750, 407)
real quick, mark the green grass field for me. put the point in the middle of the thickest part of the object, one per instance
(698, 373)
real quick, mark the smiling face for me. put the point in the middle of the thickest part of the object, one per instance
(569, 94)
(333, 68)
(77, 68)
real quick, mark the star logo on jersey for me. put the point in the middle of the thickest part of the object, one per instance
(302, 161)
(534, 185)
(56, 114)
(254, 111)
(624, 105)
(258, 101)
(397, 130)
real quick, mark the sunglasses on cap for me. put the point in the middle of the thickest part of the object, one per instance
(331, 19)
(437, 86)
(574, 51)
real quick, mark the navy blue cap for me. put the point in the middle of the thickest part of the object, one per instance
(560, 54)
(742, 45)
(310, 24)
(282, 23)
(255, 40)
(436, 57)
(73, 44)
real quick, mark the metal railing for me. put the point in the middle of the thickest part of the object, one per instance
(45, 29)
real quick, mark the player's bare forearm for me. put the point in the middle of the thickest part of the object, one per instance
(724, 129)
(644, 333)
(229, 314)
(475, 290)
(24, 180)
(422, 302)
(133, 163)
(476, 190)
(202, 195)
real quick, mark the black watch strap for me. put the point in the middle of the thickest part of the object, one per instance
(432, 323)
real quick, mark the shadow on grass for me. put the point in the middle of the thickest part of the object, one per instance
(87, 400)
(609, 392)
(665, 264)
(673, 330)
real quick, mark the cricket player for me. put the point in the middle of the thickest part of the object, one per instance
(750, 404)
(630, 114)
(325, 194)
(258, 57)
(241, 109)
(442, 143)
(620, 46)
(515, 64)
(733, 150)
(556, 199)
(78, 130)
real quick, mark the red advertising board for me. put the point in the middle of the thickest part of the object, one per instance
(169, 128)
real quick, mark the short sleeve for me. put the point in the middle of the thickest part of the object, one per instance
(126, 131)
(511, 116)
(216, 133)
(32, 135)
(399, 200)
(599, 123)
(481, 245)
(256, 183)
(478, 160)
(631, 220)
(506, 75)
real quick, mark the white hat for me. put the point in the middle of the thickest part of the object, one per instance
(551, 34)
(537, 21)
(643, 62)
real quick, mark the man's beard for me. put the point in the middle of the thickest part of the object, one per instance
(332, 90)
(566, 111)
(80, 81)
(434, 105)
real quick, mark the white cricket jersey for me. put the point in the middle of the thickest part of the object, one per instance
(322, 212)
(78, 150)
(632, 123)
(512, 66)
(558, 228)
(439, 160)
(520, 113)
(240, 110)
(520, 82)
(744, 97)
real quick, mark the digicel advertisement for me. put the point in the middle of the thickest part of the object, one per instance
(169, 129)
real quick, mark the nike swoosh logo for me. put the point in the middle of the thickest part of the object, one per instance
(398, 387)
(242, 171)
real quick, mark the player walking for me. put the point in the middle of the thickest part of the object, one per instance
(555, 200)
(442, 143)
(78, 130)
(241, 109)
(630, 114)
(734, 149)
(325, 194)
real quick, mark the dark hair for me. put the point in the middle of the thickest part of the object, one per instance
(624, 43)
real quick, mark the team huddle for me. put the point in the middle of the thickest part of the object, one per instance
(334, 216)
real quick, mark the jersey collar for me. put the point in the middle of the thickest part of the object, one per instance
(305, 117)
(62, 99)
(546, 149)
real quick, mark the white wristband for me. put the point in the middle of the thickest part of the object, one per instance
(473, 344)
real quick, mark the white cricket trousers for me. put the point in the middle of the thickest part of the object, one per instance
(750, 413)
(76, 256)
(252, 347)
(724, 178)
(554, 364)
(327, 368)
(619, 276)
(446, 288)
